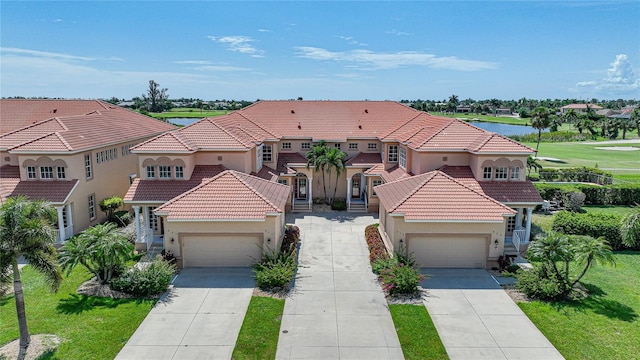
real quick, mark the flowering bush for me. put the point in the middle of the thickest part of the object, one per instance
(401, 279)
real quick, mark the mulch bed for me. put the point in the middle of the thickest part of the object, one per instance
(40, 345)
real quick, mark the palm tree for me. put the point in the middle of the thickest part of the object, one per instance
(317, 158)
(335, 161)
(540, 121)
(635, 118)
(102, 249)
(570, 117)
(630, 228)
(26, 230)
(551, 249)
(589, 251)
(532, 164)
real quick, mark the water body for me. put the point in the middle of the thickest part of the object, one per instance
(502, 129)
(505, 129)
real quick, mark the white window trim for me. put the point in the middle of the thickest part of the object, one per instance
(32, 172)
(402, 157)
(88, 166)
(63, 172)
(305, 146)
(151, 170)
(267, 153)
(372, 148)
(353, 146)
(393, 152)
(286, 146)
(43, 172)
(514, 171)
(179, 171)
(92, 206)
(373, 184)
(505, 173)
(164, 172)
(484, 173)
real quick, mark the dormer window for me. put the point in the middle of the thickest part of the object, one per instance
(151, 172)
(179, 171)
(501, 172)
(266, 153)
(60, 172)
(403, 158)
(164, 171)
(486, 173)
(393, 153)
(353, 146)
(286, 146)
(372, 146)
(31, 172)
(515, 173)
(305, 146)
(46, 172)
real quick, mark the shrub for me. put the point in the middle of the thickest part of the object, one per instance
(110, 205)
(290, 240)
(401, 279)
(121, 218)
(625, 194)
(380, 265)
(554, 136)
(339, 204)
(276, 270)
(377, 249)
(536, 284)
(595, 225)
(573, 200)
(149, 279)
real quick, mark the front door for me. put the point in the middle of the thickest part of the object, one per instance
(301, 188)
(355, 187)
(511, 225)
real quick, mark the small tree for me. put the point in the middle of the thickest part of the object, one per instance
(155, 97)
(110, 205)
(317, 158)
(630, 228)
(26, 230)
(102, 249)
(540, 120)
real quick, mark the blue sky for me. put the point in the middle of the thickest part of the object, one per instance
(322, 50)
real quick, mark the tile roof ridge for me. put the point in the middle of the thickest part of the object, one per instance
(391, 131)
(474, 190)
(32, 140)
(428, 176)
(177, 198)
(482, 143)
(226, 131)
(37, 123)
(241, 113)
(63, 140)
(238, 175)
(179, 139)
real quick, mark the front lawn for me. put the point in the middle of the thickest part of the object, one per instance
(604, 326)
(258, 338)
(90, 327)
(416, 332)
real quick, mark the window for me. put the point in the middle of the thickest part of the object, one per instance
(353, 146)
(92, 206)
(151, 172)
(179, 172)
(286, 146)
(403, 158)
(375, 183)
(266, 153)
(46, 172)
(164, 171)
(337, 145)
(393, 153)
(511, 223)
(372, 146)
(87, 166)
(283, 181)
(515, 173)
(153, 218)
(486, 173)
(31, 172)
(60, 172)
(305, 146)
(501, 173)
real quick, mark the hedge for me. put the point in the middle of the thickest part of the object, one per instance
(595, 225)
(579, 174)
(623, 194)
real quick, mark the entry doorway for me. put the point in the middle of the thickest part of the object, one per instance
(301, 187)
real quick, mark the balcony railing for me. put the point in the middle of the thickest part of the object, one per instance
(68, 232)
(518, 238)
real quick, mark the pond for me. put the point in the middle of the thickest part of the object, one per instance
(502, 129)
(505, 129)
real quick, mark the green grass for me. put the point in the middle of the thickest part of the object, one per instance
(604, 326)
(258, 338)
(90, 327)
(188, 113)
(578, 154)
(416, 332)
(487, 118)
(542, 223)
(608, 209)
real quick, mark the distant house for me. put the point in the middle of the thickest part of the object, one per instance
(72, 153)
(503, 111)
(216, 191)
(463, 109)
(579, 108)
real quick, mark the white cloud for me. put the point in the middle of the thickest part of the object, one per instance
(58, 20)
(620, 78)
(365, 59)
(264, 30)
(193, 62)
(51, 55)
(351, 40)
(221, 68)
(399, 33)
(241, 44)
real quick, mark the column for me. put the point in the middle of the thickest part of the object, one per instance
(136, 210)
(528, 227)
(349, 193)
(61, 234)
(69, 220)
(519, 218)
(310, 191)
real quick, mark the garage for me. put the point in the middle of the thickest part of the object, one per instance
(212, 250)
(450, 251)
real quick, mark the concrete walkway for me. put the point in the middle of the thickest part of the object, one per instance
(476, 319)
(337, 309)
(199, 318)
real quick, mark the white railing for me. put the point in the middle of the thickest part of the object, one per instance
(147, 237)
(518, 238)
(68, 232)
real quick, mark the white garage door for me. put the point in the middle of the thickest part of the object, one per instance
(221, 250)
(448, 251)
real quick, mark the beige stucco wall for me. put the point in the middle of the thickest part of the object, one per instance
(272, 228)
(188, 160)
(234, 160)
(476, 162)
(424, 162)
(8, 159)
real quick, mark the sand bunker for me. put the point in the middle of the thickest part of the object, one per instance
(619, 148)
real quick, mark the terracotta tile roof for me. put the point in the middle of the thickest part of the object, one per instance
(495, 143)
(18, 113)
(507, 192)
(389, 175)
(55, 191)
(435, 196)
(581, 106)
(80, 132)
(230, 195)
(156, 191)
(266, 173)
(365, 159)
(284, 159)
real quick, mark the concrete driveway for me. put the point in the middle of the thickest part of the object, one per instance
(199, 318)
(337, 309)
(476, 319)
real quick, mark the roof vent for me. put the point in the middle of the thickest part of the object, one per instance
(54, 111)
(293, 111)
(359, 126)
(299, 126)
(366, 111)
